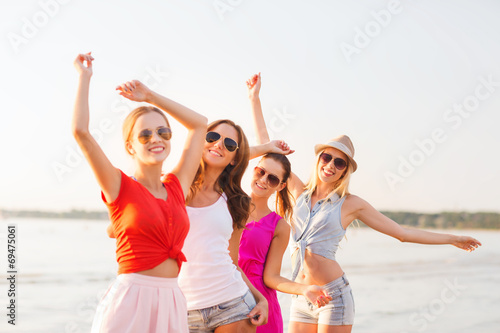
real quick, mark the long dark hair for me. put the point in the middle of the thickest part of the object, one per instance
(284, 206)
(229, 180)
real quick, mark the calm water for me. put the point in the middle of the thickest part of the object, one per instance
(66, 265)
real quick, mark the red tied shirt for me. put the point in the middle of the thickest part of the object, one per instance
(148, 230)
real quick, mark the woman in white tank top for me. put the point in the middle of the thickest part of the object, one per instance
(218, 294)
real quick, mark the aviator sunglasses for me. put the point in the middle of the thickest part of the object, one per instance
(163, 132)
(339, 163)
(272, 180)
(229, 143)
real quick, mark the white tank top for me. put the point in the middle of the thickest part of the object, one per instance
(209, 276)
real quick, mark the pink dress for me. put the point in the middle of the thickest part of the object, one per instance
(254, 246)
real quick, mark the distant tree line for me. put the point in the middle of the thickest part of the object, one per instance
(447, 220)
(444, 220)
(72, 214)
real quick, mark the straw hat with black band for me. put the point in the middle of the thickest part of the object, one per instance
(342, 143)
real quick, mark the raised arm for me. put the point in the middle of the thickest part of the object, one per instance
(275, 146)
(195, 123)
(295, 185)
(253, 85)
(272, 270)
(363, 211)
(108, 177)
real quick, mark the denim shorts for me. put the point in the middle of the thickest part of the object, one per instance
(339, 311)
(208, 319)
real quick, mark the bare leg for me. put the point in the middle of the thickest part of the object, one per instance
(334, 329)
(296, 327)
(241, 326)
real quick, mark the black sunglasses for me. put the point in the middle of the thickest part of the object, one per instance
(272, 180)
(163, 132)
(339, 163)
(229, 143)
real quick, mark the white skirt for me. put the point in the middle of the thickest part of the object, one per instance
(140, 303)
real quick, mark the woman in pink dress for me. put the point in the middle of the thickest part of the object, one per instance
(266, 236)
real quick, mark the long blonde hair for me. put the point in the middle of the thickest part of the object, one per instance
(341, 187)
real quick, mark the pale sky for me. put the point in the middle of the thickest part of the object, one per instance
(415, 84)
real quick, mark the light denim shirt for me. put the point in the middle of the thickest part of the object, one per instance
(319, 230)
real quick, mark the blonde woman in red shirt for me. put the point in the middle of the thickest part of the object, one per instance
(148, 216)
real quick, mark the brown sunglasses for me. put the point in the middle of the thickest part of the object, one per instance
(146, 134)
(272, 180)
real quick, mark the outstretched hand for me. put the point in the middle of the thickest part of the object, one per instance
(467, 243)
(253, 85)
(134, 90)
(280, 147)
(83, 64)
(317, 295)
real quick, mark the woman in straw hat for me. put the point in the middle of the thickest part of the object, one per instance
(324, 209)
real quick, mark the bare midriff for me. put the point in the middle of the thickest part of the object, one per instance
(167, 269)
(317, 269)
